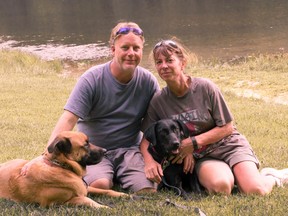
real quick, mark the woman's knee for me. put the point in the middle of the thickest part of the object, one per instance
(250, 181)
(259, 188)
(216, 176)
(220, 186)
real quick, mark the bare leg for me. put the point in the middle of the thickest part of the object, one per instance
(146, 190)
(102, 183)
(216, 176)
(250, 181)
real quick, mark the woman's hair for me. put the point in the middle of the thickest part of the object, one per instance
(173, 46)
(120, 25)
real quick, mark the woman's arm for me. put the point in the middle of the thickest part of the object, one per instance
(209, 137)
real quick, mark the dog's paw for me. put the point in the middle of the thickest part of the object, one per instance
(113, 193)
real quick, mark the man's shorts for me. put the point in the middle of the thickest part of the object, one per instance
(124, 166)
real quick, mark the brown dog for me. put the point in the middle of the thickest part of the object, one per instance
(56, 176)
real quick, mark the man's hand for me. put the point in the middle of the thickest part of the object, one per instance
(153, 171)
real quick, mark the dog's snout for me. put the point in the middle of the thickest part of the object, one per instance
(176, 145)
(104, 151)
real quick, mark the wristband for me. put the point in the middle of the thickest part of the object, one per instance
(194, 142)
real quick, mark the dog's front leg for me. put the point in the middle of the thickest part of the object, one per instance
(107, 192)
(85, 201)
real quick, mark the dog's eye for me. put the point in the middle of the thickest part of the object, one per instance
(86, 144)
(175, 129)
(164, 132)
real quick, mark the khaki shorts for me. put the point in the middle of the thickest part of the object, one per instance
(125, 166)
(235, 151)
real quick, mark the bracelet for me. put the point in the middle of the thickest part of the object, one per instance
(194, 142)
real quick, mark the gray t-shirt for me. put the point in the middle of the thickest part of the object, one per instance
(201, 109)
(110, 112)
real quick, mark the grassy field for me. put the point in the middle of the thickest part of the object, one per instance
(33, 93)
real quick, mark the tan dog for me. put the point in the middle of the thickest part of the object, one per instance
(56, 176)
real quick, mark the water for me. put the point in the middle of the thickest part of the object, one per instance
(76, 29)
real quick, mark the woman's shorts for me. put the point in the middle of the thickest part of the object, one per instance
(235, 151)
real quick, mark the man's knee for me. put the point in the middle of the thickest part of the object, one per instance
(146, 190)
(102, 183)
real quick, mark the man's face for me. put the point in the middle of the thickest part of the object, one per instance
(127, 52)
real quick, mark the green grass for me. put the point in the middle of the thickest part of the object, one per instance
(33, 93)
(263, 77)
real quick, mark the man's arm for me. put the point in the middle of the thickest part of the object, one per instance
(66, 122)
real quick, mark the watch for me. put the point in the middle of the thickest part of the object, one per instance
(194, 142)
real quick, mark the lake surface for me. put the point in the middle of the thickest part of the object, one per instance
(77, 29)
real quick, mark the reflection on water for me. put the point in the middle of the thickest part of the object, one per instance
(80, 29)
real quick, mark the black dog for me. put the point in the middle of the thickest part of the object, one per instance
(165, 139)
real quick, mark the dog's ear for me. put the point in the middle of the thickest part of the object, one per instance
(184, 129)
(150, 134)
(60, 145)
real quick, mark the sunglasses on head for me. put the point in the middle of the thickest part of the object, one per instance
(126, 30)
(166, 43)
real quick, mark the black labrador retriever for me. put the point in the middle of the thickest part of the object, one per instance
(165, 139)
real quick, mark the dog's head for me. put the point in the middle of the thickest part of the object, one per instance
(71, 146)
(165, 137)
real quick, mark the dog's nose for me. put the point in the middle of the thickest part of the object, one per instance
(176, 145)
(104, 150)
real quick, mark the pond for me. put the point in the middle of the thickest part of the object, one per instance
(77, 29)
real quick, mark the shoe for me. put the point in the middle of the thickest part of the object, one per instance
(280, 176)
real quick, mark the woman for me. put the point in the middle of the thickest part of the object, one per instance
(223, 156)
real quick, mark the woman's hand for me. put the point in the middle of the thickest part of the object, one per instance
(188, 160)
(189, 163)
(186, 148)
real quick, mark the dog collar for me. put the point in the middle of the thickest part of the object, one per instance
(57, 163)
(156, 155)
(85, 183)
(165, 163)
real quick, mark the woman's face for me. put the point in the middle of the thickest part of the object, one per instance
(169, 67)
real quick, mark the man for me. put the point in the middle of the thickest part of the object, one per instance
(108, 104)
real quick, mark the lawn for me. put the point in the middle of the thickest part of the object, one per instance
(33, 93)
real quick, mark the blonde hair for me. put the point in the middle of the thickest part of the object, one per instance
(120, 25)
(174, 46)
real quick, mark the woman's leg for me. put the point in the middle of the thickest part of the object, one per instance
(215, 176)
(250, 181)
